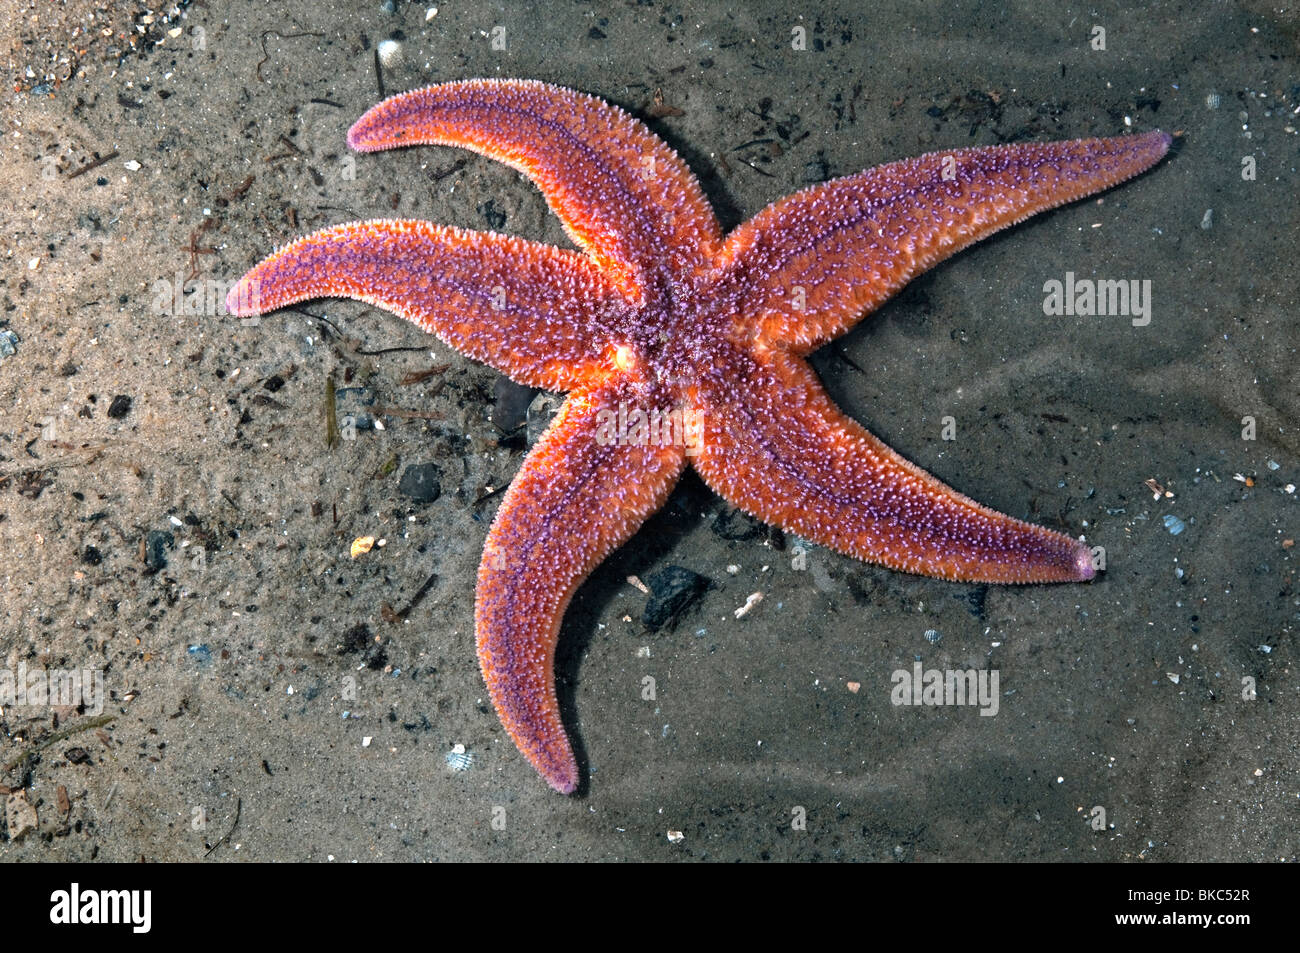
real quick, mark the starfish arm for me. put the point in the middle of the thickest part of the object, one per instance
(532, 311)
(807, 268)
(832, 482)
(577, 497)
(622, 194)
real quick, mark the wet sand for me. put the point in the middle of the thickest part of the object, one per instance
(1162, 693)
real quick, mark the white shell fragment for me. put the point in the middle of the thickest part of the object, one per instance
(754, 599)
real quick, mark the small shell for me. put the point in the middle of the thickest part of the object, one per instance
(933, 636)
(390, 52)
(458, 759)
(1174, 524)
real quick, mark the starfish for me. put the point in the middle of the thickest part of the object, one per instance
(680, 345)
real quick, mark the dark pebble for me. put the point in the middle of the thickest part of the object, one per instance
(78, 756)
(975, 600)
(355, 639)
(359, 639)
(155, 548)
(494, 217)
(91, 556)
(816, 170)
(120, 407)
(672, 590)
(420, 482)
(375, 657)
(736, 525)
(510, 410)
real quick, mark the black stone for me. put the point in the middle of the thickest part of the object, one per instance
(155, 549)
(355, 639)
(510, 410)
(816, 170)
(736, 525)
(495, 218)
(120, 407)
(975, 600)
(672, 590)
(420, 482)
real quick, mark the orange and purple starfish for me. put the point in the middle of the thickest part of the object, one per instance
(679, 345)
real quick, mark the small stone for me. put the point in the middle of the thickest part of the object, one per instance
(816, 170)
(120, 407)
(420, 482)
(156, 544)
(495, 218)
(20, 815)
(672, 590)
(736, 525)
(510, 410)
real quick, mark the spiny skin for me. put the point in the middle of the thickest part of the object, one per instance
(662, 314)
